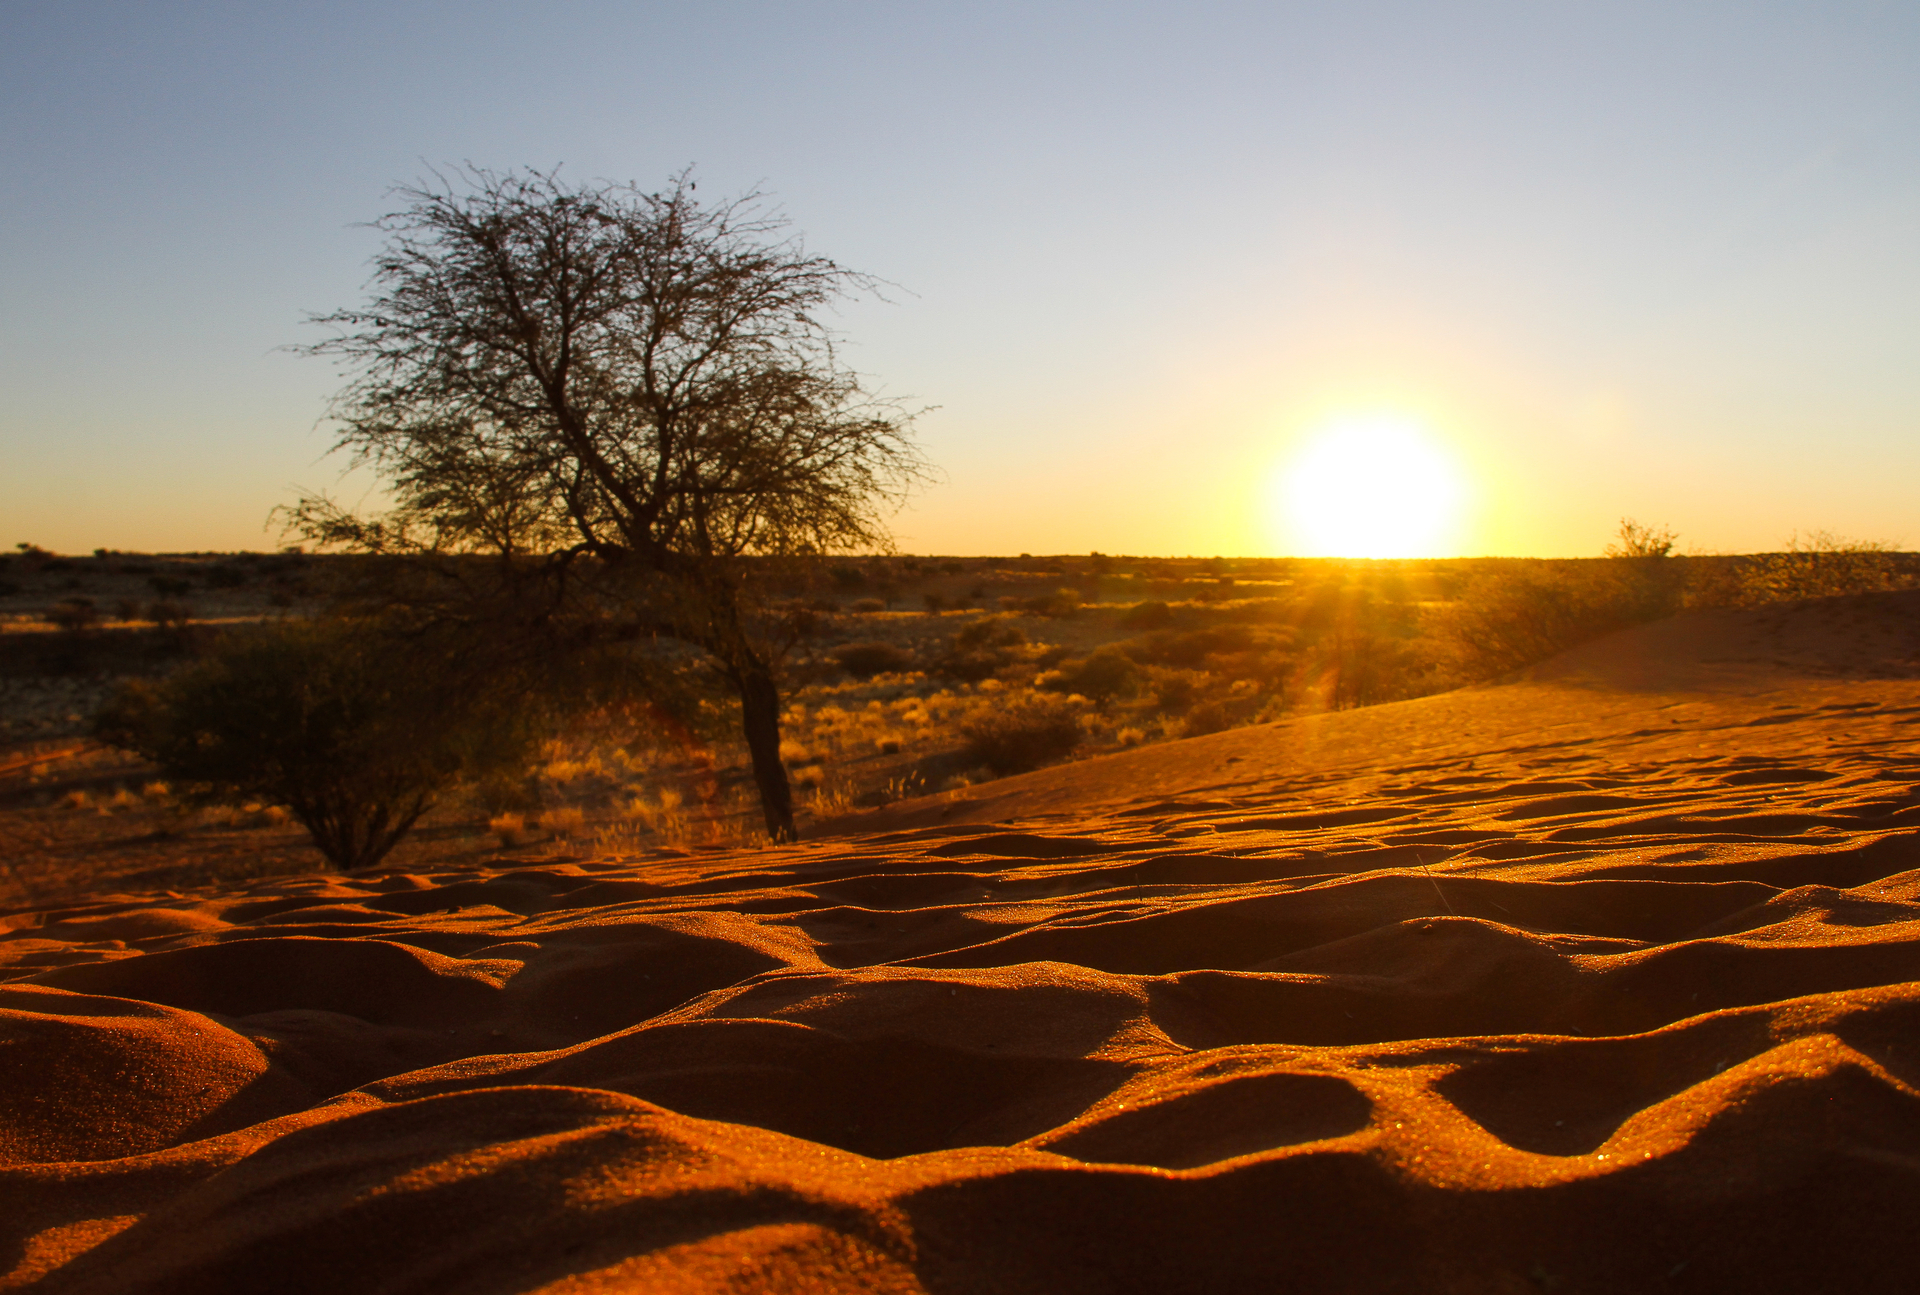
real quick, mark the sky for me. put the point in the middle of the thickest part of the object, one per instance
(1155, 267)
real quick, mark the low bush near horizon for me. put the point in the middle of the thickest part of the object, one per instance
(1024, 733)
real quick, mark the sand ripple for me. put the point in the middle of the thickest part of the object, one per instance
(1578, 994)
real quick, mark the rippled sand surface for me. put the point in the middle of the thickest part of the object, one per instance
(1604, 981)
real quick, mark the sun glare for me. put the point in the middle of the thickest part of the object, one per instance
(1369, 486)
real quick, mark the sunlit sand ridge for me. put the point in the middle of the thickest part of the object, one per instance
(1600, 981)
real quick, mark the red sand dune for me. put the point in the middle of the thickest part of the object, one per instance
(1604, 981)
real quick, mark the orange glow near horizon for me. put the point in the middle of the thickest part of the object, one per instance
(1373, 485)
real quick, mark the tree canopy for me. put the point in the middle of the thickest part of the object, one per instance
(634, 388)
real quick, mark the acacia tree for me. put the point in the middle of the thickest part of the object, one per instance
(630, 391)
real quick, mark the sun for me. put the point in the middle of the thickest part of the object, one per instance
(1369, 486)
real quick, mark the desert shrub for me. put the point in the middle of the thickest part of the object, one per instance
(847, 578)
(1188, 649)
(1058, 605)
(169, 614)
(169, 586)
(1819, 565)
(936, 603)
(989, 633)
(1175, 690)
(867, 606)
(1023, 733)
(1252, 611)
(1150, 615)
(1103, 677)
(981, 648)
(865, 660)
(225, 577)
(1360, 667)
(1217, 714)
(1529, 610)
(356, 730)
(74, 614)
(971, 667)
(8, 588)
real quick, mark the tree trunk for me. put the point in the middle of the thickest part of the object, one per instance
(760, 719)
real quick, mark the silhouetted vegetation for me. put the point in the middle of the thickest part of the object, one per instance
(638, 741)
(630, 391)
(1023, 733)
(355, 728)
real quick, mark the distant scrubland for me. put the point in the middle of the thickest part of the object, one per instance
(902, 675)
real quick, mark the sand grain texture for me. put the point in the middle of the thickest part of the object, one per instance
(1608, 980)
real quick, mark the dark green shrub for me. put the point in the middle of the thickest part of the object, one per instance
(989, 632)
(1151, 615)
(1023, 733)
(865, 660)
(1190, 649)
(982, 648)
(1058, 605)
(1217, 714)
(74, 614)
(1103, 677)
(1176, 689)
(356, 730)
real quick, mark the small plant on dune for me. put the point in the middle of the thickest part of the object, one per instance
(1024, 733)
(1652, 580)
(1522, 612)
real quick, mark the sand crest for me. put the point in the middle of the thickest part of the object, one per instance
(1608, 980)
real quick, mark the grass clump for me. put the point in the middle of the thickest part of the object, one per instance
(1026, 732)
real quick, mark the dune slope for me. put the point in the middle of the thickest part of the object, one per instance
(1607, 981)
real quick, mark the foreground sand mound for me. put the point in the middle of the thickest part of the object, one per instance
(1546, 987)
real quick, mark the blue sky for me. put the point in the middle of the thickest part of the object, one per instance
(1659, 260)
